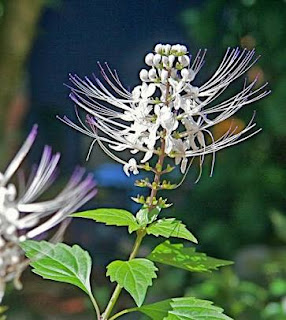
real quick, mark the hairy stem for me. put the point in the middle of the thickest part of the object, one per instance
(95, 305)
(140, 235)
(141, 232)
(158, 174)
(121, 313)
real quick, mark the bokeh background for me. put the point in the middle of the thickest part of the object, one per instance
(237, 214)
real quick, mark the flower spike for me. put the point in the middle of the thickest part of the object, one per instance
(166, 105)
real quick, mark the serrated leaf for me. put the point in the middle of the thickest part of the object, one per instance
(111, 217)
(183, 309)
(60, 262)
(177, 255)
(170, 227)
(134, 276)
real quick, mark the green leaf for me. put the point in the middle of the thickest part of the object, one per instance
(60, 262)
(185, 258)
(111, 217)
(170, 228)
(134, 276)
(183, 309)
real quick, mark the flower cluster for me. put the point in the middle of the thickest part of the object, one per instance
(23, 217)
(166, 112)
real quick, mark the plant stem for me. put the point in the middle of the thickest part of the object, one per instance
(95, 305)
(140, 235)
(121, 313)
(141, 232)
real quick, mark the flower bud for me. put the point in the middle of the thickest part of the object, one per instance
(183, 49)
(149, 59)
(143, 75)
(167, 48)
(156, 59)
(185, 74)
(165, 61)
(152, 74)
(158, 47)
(164, 75)
(174, 73)
(184, 60)
(171, 60)
(176, 47)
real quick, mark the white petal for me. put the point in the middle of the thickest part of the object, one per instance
(149, 59)
(158, 47)
(118, 147)
(157, 59)
(184, 165)
(171, 60)
(143, 75)
(148, 91)
(126, 169)
(167, 48)
(164, 75)
(152, 74)
(184, 60)
(148, 155)
(201, 139)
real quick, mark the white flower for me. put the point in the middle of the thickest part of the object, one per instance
(131, 166)
(166, 105)
(23, 217)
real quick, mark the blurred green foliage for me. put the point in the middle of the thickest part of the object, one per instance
(244, 298)
(232, 209)
(237, 213)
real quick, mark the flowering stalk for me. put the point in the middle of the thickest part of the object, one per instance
(165, 116)
(141, 233)
(165, 103)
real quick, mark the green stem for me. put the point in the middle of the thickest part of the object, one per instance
(141, 232)
(95, 305)
(121, 313)
(140, 235)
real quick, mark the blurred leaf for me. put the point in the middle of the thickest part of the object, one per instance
(134, 276)
(2, 310)
(273, 311)
(170, 227)
(111, 217)
(60, 262)
(183, 309)
(185, 258)
(279, 223)
(278, 287)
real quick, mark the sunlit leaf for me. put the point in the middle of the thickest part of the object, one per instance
(60, 262)
(170, 227)
(111, 217)
(279, 223)
(185, 258)
(134, 276)
(183, 309)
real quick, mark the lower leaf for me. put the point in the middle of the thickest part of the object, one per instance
(134, 276)
(187, 258)
(188, 308)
